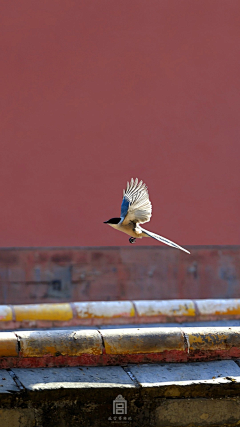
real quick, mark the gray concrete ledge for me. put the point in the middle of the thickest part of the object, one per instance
(162, 394)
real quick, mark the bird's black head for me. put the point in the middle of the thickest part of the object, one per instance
(113, 221)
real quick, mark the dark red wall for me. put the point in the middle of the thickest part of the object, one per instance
(120, 273)
(94, 92)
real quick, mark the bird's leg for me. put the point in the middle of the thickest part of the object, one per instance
(132, 239)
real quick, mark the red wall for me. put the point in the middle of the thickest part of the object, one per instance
(42, 275)
(94, 92)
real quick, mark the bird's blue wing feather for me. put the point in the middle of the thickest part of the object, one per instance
(136, 206)
(124, 207)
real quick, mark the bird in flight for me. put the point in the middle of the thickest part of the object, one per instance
(136, 209)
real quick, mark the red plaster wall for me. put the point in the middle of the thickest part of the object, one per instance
(94, 92)
(42, 275)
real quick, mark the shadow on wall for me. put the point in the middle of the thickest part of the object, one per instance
(35, 275)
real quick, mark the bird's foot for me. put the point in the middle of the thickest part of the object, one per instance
(132, 240)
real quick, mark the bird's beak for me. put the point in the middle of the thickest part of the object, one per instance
(105, 222)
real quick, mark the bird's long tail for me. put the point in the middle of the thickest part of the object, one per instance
(164, 240)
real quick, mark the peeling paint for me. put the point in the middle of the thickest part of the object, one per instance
(5, 313)
(165, 308)
(104, 309)
(223, 307)
(116, 312)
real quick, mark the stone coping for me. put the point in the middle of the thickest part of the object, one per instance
(117, 346)
(117, 312)
(157, 394)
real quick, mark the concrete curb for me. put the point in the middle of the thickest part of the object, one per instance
(117, 346)
(116, 312)
(196, 394)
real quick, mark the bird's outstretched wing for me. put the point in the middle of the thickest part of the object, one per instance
(164, 240)
(136, 206)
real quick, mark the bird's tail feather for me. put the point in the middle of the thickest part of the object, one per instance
(164, 240)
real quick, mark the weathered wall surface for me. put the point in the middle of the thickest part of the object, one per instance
(119, 273)
(160, 395)
(93, 93)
